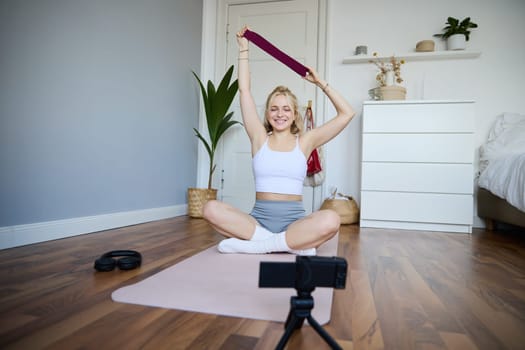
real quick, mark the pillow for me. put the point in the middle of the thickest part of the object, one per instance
(504, 122)
(506, 137)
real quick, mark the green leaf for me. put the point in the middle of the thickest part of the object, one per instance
(453, 21)
(225, 124)
(206, 145)
(224, 97)
(465, 22)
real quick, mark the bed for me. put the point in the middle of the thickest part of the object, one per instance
(501, 192)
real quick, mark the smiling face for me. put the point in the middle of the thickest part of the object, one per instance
(282, 111)
(280, 114)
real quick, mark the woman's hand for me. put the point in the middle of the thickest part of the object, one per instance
(241, 40)
(313, 77)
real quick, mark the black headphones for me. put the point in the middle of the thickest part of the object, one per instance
(131, 260)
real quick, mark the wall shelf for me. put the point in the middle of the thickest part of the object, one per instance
(416, 56)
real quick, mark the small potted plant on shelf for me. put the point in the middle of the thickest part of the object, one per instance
(457, 33)
(217, 102)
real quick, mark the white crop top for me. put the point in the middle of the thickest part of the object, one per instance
(279, 172)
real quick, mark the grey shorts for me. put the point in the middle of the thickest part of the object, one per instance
(276, 216)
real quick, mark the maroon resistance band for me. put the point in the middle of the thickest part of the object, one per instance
(273, 51)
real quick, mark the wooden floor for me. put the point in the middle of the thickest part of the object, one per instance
(405, 290)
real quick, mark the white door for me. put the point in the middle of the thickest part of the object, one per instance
(292, 26)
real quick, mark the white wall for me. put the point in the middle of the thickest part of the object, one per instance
(494, 80)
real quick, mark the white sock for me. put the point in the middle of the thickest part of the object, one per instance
(275, 243)
(308, 252)
(304, 252)
(260, 234)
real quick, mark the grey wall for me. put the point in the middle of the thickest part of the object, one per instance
(97, 106)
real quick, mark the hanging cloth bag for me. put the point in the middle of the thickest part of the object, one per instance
(313, 163)
(314, 173)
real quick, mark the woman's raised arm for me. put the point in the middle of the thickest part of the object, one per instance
(324, 133)
(253, 125)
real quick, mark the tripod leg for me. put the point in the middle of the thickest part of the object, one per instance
(292, 324)
(324, 334)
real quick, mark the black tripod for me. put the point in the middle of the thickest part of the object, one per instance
(300, 309)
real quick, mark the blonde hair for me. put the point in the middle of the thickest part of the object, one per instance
(298, 123)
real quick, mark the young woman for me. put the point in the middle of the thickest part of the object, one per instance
(280, 149)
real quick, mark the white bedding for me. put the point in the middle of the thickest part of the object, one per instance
(502, 160)
(505, 177)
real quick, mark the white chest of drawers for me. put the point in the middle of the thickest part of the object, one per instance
(417, 165)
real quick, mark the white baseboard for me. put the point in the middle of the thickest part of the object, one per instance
(14, 236)
(423, 226)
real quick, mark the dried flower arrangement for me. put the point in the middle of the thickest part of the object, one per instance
(393, 65)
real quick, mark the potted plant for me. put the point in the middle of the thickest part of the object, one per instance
(457, 33)
(389, 74)
(217, 102)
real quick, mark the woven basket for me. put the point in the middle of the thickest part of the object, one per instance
(197, 197)
(347, 209)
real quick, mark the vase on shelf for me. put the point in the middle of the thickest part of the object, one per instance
(389, 78)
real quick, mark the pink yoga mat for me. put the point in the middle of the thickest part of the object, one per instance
(225, 284)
